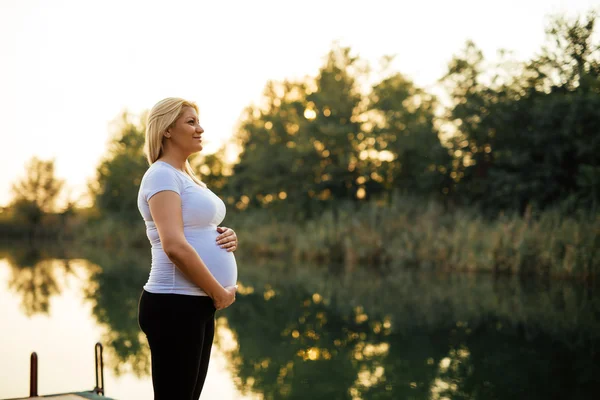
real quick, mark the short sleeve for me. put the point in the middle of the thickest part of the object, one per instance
(159, 180)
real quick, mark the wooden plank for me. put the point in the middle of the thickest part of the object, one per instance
(66, 397)
(59, 397)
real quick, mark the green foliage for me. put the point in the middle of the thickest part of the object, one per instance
(406, 129)
(410, 233)
(36, 194)
(353, 175)
(333, 126)
(515, 135)
(212, 169)
(32, 212)
(119, 175)
(278, 160)
(531, 137)
(40, 187)
(317, 143)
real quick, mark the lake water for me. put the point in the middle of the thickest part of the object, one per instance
(305, 332)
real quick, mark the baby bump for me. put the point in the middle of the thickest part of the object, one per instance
(220, 262)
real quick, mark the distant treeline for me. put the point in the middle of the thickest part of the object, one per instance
(515, 135)
(512, 137)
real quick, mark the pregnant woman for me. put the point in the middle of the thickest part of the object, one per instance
(193, 271)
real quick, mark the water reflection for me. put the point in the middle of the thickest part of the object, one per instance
(301, 332)
(114, 291)
(33, 275)
(413, 336)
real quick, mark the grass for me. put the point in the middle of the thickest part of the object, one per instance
(405, 234)
(410, 234)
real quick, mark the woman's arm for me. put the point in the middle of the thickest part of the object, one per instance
(165, 208)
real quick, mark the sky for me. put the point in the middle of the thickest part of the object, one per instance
(68, 69)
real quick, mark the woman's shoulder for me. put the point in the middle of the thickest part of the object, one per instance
(160, 177)
(160, 172)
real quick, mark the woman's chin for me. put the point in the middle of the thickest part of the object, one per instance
(194, 150)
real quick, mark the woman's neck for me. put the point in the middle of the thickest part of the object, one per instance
(175, 162)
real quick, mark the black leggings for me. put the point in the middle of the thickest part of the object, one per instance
(180, 331)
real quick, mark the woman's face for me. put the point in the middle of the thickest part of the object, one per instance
(186, 133)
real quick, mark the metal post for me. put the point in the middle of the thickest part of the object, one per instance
(33, 375)
(99, 389)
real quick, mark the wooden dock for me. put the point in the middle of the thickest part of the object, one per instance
(69, 396)
(96, 394)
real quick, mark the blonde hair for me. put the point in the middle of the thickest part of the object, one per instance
(162, 117)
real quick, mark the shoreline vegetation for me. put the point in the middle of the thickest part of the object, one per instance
(405, 234)
(504, 178)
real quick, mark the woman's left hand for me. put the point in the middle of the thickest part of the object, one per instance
(227, 239)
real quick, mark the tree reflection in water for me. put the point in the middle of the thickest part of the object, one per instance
(33, 276)
(112, 285)
(305, 332)
(114, 291)
(305, 335)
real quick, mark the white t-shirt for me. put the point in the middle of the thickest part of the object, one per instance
(202, 212)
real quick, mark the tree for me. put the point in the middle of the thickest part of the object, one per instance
(275, 166)
(300, 148)
(532, 137)
(36, 194)
(212, 169)
(470, 113)
(334, 128)
(562, 118)
(404, 131)
(119, 175)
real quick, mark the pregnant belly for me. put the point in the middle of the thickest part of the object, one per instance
(220, 262)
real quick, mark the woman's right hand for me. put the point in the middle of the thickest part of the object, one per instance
(225, 298)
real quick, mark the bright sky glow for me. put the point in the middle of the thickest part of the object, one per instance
(68, 68)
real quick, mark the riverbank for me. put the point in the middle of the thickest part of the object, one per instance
(406, 234)
(409, 234)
